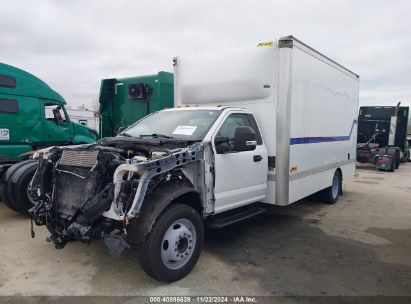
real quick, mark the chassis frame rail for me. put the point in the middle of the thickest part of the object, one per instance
(148, 169)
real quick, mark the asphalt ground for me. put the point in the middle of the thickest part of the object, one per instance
(360, 246)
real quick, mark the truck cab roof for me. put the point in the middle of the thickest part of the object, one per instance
(14, 81)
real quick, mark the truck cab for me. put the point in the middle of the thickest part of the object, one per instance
(382, 136)
(172, 169)
(32, 117)
(240, 164)
(123, 101)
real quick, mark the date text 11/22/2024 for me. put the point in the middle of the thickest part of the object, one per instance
(203, 299)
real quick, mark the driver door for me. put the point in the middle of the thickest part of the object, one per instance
(240, 177)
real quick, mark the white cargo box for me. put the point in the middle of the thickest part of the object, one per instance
(306, 106)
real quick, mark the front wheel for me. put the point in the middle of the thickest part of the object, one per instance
(173, 246)
(330, 194)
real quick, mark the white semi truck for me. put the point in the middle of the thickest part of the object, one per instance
(266, 124)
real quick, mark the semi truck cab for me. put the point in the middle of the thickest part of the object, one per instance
(32, 117)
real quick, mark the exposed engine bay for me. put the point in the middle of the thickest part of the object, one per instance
(87, 192)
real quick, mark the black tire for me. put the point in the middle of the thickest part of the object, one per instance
(393, 163)
(406, 156)
(22, 201)
(17, 183)
(9, 201)
(330, 195)
(153, 246)
(397, 159)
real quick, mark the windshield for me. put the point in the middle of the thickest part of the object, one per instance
(181, 124)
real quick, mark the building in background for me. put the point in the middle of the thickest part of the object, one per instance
(84, 117)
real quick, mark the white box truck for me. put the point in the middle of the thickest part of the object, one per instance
(266, 124)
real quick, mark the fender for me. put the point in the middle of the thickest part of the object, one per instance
(154, 205)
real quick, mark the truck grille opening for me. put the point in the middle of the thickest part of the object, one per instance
(75, 182)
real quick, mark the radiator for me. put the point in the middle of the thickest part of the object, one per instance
(79, 158)
(74, 183)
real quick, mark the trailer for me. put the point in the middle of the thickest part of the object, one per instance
(255, 126)
(382, 136)
(85, 117)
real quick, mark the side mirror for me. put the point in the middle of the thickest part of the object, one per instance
(120, 129)
(218, 142)
(57, 116)
(245, 139)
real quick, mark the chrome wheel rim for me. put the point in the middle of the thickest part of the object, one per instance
(178, 244)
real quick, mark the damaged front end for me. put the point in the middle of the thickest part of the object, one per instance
(92, 191)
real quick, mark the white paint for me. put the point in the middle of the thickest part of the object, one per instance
(324, 103)
(238, 179)
(231, 75)
(321, 99)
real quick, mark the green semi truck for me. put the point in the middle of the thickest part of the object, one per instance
(123, 101)
(32, 117)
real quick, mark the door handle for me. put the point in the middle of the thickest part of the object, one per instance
(257, 158)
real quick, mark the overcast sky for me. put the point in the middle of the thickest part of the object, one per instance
(72, 45)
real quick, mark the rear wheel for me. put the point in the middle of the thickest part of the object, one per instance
(23, 202)
(397, 159)
(330, 195)
(393, 163)
(173, 246)
(5, 197)
(406, 153)
(16, 183)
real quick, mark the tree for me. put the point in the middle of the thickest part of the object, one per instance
(95, 106)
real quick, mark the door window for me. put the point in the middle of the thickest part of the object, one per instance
(54, 113)
(231, 123)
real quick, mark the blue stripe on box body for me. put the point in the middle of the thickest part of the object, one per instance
(313, 140)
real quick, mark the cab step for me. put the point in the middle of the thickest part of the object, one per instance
(234, 216)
